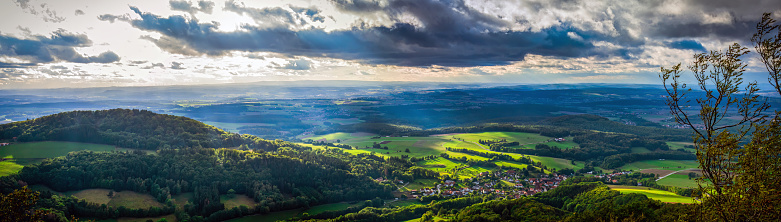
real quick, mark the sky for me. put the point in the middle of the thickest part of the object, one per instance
(55, 44)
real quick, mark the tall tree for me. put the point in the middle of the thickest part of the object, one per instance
(739, 159)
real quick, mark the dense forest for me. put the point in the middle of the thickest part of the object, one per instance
(288, 178)
(128, 128)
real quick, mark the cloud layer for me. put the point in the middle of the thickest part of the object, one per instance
(57, 47)
(150, 41)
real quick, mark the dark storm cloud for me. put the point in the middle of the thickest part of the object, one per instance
(57, 47)
(185, 6)
(735, 31)
(452, 35)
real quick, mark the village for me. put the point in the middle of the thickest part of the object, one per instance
(504, 184)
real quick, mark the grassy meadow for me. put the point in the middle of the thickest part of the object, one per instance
(662, 164)
(678, 180)
(664, 196)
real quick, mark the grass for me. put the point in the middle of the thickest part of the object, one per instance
(468, 156)
(664, 196)
(678, 180)
(439, 164)
(680, 145)
(98, 196)
(420, 184)
(512, 164)
(404, 203)
(662, 164)
(133, 200)
(9, 166)
(237, 201)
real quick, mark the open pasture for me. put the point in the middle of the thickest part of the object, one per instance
(664, 196)
(678, 180)
(674, 165)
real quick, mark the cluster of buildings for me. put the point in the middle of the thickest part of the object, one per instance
(487, 182)
(609, 177)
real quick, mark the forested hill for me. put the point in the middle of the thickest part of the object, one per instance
(594, 122)
(128, 128)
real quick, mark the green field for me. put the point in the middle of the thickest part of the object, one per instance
(664, 196)
(680, 145)
(237, 201)
(420, 183)
(128, 199)
(662, 164)
(678, 180)
(404, 203)
(9, 166)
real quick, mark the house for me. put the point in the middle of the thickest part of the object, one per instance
(4, 144)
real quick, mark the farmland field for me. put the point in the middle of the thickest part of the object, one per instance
(128, 199)
(680, 145)
(404, 203)
(435, 145)
(420, 183)
(98, 196)
(133, 200)
(678, 180)
(664, 196)
(661, 164)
